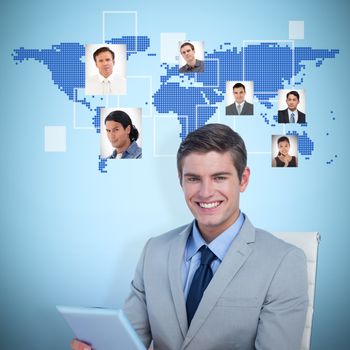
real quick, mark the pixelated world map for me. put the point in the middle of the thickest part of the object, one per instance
(193, 98)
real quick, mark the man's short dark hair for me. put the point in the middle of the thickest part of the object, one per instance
(103, 49)
(187, 44)
(124, 119)
(238, 85)
(295, 93)
(218, 138)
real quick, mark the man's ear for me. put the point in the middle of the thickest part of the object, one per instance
(245, 179)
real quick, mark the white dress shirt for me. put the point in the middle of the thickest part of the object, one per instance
(99, 85)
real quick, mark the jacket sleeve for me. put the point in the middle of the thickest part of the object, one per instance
(282, 318)
(135, 306)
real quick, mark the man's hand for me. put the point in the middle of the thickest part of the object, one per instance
(78, 345)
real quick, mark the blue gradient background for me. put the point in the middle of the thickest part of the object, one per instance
(70, 235)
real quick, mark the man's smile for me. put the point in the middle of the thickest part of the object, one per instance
(209, 205)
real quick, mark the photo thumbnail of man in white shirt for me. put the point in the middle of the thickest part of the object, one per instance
(105, 69)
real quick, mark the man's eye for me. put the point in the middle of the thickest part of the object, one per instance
(220, 178)
(192, 179)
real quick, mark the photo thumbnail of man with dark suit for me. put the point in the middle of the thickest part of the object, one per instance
(292, 114)
(240, 106)
(217, 282)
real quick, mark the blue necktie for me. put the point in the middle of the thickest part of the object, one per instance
(200, 281)
(292, 119)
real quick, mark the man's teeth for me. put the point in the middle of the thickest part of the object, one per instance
(209, 205)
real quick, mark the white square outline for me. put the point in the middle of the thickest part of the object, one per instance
(150, 92)
(155, 155)
(160, 54)
(218, 73)
(104, 13)
(75, 127)
(292, 42)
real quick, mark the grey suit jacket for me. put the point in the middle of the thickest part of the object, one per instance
(257, 298)
(248, 109)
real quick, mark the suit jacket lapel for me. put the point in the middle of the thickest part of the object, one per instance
(245, 106)
(175, 262)
(235, 257)
(235, 109)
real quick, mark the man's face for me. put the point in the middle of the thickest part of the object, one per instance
(104, 63)
(283, 148)
(211, 187)
(117, 135)
(187, 53)
(239, 94)
(292, 102)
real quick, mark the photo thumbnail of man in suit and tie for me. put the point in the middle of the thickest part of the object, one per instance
(217, 283)
(291, 114)
(188, 53)
(238, 93)
(106, 73)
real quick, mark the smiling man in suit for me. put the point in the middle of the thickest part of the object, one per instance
(291, 114)
(240, 106)
(218, 282)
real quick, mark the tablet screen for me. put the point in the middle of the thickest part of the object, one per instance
(104, 329)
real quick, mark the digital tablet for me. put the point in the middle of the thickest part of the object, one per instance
(103, 329)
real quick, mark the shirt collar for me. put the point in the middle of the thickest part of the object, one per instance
(240, 104)
(295, 113)
(101, 78)
(196, 65)
(131, 149)
(220, 245)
